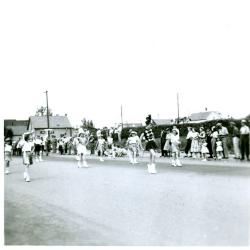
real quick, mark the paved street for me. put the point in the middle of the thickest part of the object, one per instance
(115, 203)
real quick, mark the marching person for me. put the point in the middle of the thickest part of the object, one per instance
(7, 154)
(150, 144)
(167, 146)
(133, 143)
(244, 140)
(27, 149)
(81, 149)
(175, 148)
(100, 146)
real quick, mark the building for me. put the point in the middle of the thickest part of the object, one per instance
(163, 121)
(18, 127)
(132, 125)
(60, 125)
(205, 116)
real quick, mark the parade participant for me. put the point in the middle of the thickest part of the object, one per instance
(42, 145)
(81, 149)
(163, 141)
(214, 136)
(100, 147)
(150, 144)
(244, 140)
(27, 149)
(175, 148)
(60, 146)
(133, 143)
(38, 150)
(7, 154)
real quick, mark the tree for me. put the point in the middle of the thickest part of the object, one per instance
(88, 124)
(43, 111)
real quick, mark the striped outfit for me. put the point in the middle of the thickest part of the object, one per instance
(149, 136)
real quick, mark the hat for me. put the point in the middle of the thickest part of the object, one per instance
(243, 121)
(133, 132)
(7, 139)
(174, 129)
(218, 124)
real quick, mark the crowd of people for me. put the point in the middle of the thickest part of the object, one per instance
(200, 144)
(212, 142)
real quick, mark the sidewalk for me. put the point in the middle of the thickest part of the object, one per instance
(144, 157)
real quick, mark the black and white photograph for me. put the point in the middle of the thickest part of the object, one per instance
(125, 123)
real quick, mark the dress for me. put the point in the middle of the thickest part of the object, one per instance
(175, 142)
(219, 146)
(195, 146)
(204, 149)
(81, 146)
(167, 145)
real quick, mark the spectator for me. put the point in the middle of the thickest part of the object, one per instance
(236, 140)
(244, 140)
(189, 141)
(209, 142)
(195, 146)
(163, 141)
(219, 148)
(214, 137)
(223, 134)
(167, 146)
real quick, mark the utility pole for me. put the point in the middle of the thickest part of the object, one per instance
(178, 119)
(121, 117)
(47, 102)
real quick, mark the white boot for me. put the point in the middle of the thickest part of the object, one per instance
(173, 163)
(153, 170)
(37, 159)
(27, 178)
(40, 158)
(149, 168)
(24, 175)
(7, 170)
(101, 159)
(79, 164)
(85, 164)
(178, 163)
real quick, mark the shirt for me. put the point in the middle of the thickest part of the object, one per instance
(244, 130)
(223, 131)
(27, 146)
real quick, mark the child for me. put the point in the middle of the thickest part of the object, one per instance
(203, 144)
(150, 145)
(100, 146)
(219, 149)
(81, 149)
(28, 149)
(175, 143)
(7, 154)
(133, 144)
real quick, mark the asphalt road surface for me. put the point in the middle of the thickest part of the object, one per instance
(115, 203)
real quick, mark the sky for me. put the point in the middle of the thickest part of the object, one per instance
(95, 56)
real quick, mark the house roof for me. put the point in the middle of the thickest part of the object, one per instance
(13, 122)
(163, 121)
(201, 115)
(18, 130)
(54, 122)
